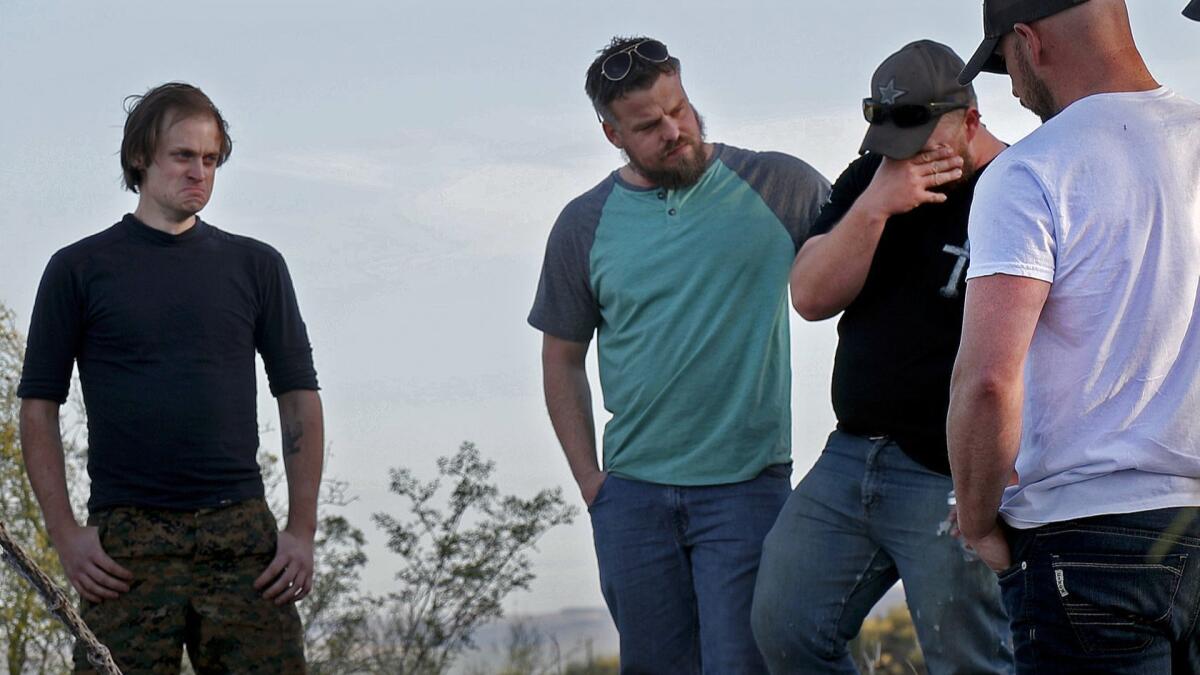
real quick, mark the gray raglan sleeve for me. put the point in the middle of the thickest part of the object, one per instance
(565, 305)
(791, 188)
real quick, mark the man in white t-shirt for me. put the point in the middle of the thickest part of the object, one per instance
(1080, 357)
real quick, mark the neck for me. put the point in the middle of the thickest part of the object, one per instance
(1108, 78)
(985, 147)
(172, 223)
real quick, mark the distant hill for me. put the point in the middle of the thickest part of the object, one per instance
(573, 629)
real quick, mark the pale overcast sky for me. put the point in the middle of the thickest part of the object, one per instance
(409, 158)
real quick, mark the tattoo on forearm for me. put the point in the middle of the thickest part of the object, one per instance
(291, 438)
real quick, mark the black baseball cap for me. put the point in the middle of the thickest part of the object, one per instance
(1192, 11)
(999, 17)
(921, 73)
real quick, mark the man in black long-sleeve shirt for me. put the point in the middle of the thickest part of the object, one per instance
(164, 313)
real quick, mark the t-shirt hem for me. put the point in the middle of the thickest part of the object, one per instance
(555, 331)
(977, 270)
(706, 480)
(1027, 523)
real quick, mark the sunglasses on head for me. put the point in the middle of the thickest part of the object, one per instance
(618, 64)
(906, 114)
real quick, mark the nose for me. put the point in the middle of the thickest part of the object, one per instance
(196, 169)
(670, 130)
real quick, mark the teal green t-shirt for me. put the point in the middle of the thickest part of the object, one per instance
(686, 291)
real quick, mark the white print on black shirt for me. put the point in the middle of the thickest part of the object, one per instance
(950, 290)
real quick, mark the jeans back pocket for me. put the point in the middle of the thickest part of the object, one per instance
(1117, 603)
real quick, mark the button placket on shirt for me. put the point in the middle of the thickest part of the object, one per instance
(672, 210)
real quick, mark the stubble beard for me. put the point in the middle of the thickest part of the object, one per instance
(687, 171)
(1038, 98)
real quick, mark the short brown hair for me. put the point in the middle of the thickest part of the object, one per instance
(642, 75)
(148, 113)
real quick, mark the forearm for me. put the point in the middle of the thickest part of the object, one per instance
(302, 423)
(569, 402)
(42, 450)
(830, 270)
(984, 435)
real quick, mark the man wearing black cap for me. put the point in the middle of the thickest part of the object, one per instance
(890, 249)
(1080, 358)
(1192, 11)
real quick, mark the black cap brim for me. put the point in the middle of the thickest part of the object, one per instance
(1192, 11)
(984, 59)
(892, 141)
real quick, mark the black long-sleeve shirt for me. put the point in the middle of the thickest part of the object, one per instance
(164, 329)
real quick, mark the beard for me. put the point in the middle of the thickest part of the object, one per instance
(1037, 98)
(686, 172)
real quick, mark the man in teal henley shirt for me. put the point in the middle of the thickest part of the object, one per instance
(678, 262)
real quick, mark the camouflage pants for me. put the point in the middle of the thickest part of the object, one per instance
(193, 585)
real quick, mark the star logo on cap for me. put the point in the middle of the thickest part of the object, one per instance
(889, 93)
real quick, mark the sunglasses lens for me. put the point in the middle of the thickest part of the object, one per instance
(653, 51)
(873, 112)
(617, 66)
(910, 115)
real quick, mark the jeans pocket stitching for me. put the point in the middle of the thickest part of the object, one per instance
(1009, 574)
(1080, 614)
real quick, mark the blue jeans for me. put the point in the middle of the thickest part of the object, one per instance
(677, 568)
(1107, 594)
(865, 516)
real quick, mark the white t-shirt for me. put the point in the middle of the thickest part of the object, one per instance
(1103, 202)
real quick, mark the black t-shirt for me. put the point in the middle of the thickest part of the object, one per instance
(897, 340)
(165, 329)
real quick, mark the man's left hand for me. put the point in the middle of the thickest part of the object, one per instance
(992, 549)
(289, 577)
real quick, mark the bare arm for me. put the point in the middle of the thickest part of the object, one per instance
(93, 574)
(986, 392)
(289, 577)
(569, 401)
(830, 270)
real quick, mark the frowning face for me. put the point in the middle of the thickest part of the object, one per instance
(178, 181)
(660, 132)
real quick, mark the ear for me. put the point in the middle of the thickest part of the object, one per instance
(1029, 40)
(972, 123)
(613, 135)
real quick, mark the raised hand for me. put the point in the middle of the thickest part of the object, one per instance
(899, 186)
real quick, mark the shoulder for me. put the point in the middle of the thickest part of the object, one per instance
(1015, 171)
(861, 169)
(74, 254)
(583, 212)
(247, 246)
(762, 164)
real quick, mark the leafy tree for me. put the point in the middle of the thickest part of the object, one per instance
(458, 564)
(31, 640)
(887, 645)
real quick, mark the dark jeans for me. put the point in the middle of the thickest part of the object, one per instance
(677, 568)
(1107, 594)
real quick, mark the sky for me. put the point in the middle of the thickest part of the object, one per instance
(409, 158)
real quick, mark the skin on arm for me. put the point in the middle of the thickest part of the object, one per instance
(93, 574)
(830, 269)
(289, 577)
(569, 402)
(986, 396)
